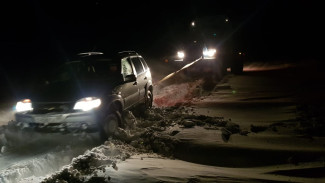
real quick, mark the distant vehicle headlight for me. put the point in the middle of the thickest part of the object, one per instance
(209, 53)
(24, 105)
(180, 54)
(88, 103)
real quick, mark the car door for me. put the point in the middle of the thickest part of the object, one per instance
(141, 76)
(129, 90)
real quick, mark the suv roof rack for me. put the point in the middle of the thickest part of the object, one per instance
(128, 52)
(90, 53)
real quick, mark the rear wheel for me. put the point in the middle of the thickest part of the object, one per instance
(148, 100)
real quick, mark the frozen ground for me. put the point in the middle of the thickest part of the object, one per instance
(262, 126)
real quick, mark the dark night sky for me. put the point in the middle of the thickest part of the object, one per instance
(36, 34)
(34, 30)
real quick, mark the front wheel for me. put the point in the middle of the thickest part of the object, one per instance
(110, 124)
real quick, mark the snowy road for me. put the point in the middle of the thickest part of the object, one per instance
(42, 155)
(248, 128)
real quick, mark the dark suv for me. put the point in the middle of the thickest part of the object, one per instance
(89, 93)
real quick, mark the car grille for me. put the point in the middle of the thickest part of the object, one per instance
(44, 108)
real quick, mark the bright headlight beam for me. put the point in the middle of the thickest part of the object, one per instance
(88, 103)
(24, 105)
(209, 52)
(180, 54)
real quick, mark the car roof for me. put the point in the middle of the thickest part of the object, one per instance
(100, 56)
(119, 54)
(128, 53)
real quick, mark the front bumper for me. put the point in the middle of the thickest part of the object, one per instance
(59, 122)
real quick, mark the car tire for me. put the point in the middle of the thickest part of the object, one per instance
(148, 100)
(110, 124)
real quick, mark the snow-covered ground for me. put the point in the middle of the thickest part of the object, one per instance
(6, 113)
(262, 126)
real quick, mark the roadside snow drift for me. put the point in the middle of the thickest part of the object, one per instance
(175, 135)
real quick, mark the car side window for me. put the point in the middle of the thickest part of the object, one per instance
(144, 63)
(126, 67)
(137, 65)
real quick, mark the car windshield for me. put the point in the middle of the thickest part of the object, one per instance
(86, 70)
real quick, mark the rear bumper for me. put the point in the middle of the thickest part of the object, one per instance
(67, 122)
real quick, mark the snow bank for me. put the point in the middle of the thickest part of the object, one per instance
(93, 165)
(156, 144)
(39, 166)
(31, 156)
(159, 131)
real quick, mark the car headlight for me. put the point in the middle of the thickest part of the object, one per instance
(87, 103)
(180, 54)
(209, 53)
(24, 105)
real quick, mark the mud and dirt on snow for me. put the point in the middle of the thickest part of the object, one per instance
(178, 92)
(174, 136)
(158, 132)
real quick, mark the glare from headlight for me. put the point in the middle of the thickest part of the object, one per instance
(88, 103)
(24, 105)
(180, 54)
(209, 53)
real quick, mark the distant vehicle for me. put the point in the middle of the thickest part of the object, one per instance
(89, 93)
(211, 39)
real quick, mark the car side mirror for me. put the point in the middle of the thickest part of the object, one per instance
(130, 78)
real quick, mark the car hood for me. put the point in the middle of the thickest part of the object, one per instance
(72, 91)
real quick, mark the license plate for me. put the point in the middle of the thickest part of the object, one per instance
(47, 119)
